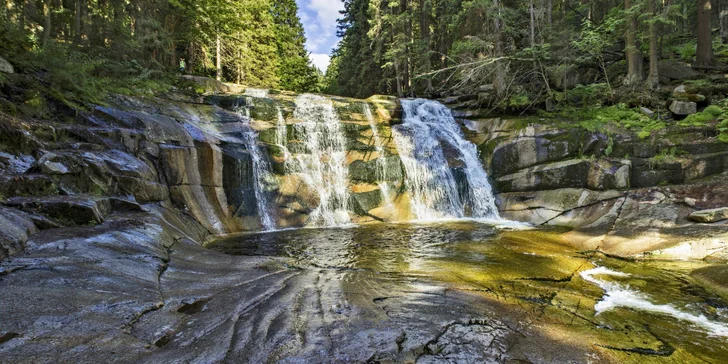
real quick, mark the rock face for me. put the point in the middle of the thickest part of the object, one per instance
(710, 216)
(617, 193)
(5, 66)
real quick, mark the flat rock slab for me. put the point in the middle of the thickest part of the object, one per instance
(710, 216)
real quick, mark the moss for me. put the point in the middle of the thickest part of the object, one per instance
(699, 119)
(714, 110)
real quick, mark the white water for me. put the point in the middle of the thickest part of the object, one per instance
(262, 175)
(324, 163)
(282, 135)
(381, 161)
(617, 295)
(428, 129)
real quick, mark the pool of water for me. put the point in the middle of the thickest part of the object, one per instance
(611, 309)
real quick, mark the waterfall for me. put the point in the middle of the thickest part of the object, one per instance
(282, 134)
(323, 165)
(428, 130)
(262, 175)
(381, 161)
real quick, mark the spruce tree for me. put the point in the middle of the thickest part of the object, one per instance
(296, 73)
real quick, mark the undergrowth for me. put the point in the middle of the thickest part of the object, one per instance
(60, 77)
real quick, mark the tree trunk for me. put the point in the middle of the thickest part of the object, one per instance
(634, 58)
(549, 11)
(724, 26)
(47, 22)
(704, 54)
(499, 79)
(425, 29)
(533, 25)
(398, 78)
(653, 80)
(218, 58)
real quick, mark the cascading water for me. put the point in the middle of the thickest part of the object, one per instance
(282, 134)
(381, 161)
(323, 165)
(264, 180)
(427, 130)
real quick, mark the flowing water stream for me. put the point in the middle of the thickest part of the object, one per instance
(323, 165)
(381, 160)
(518, 295)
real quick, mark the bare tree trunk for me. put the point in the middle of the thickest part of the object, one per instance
(398, 78)
(499, 79)
(425, 29)
(634, 58)
(77, 22)
(653, 80)
(47, 22)
(704, 54)
(724, 26)
(218, 58)
(533, 25)
(549, 11)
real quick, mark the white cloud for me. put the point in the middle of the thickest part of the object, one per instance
(321, 61)
(319, 21)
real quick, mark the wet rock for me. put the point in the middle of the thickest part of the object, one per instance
(715, 278)
(65, 210)
(5, 66)
(710, 216)
(683, 108)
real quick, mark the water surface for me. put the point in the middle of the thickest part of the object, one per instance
(585, 306)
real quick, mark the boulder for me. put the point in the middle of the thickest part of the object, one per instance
(674, 70)
(683, 108)
(210, 85)
(5, 66)
(681, 93)
(710, 216)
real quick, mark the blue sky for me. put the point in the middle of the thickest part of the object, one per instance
(319, 21)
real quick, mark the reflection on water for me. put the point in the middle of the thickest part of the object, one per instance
(665, 314)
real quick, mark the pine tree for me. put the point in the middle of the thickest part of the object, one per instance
(296, 72)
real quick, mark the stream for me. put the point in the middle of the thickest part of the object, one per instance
(471, 292)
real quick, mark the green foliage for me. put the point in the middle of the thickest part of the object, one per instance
(585, 95)
(519, 101)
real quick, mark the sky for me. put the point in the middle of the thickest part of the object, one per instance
(319, 22)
